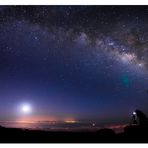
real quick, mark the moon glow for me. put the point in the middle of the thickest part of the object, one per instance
(26, 109)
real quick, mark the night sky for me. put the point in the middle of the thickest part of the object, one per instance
(83, 63)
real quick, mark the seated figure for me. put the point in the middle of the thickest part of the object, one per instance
(139, 118)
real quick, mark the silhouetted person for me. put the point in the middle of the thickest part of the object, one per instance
(141, 117)
(134, 118)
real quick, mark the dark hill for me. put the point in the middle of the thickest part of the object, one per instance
(131, 134)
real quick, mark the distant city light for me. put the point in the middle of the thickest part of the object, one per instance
(70, 121)
(93, 124)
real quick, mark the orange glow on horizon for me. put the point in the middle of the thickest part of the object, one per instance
(34, 119)
(70, 121)
(118, 128)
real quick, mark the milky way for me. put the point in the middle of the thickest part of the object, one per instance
(84, 62)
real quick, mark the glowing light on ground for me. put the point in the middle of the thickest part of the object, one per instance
(93, 124)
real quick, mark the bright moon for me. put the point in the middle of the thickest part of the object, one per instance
(26, 108)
